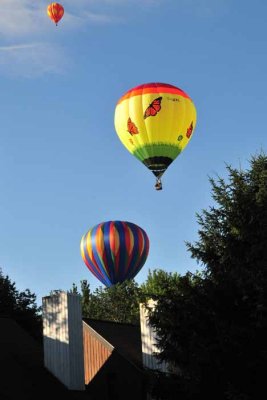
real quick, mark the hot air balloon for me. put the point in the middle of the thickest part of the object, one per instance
(55, 11)
(114, 251)
(155, 122)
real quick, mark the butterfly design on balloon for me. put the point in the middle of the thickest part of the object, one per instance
(131, 127)
(189, 130)
(153, 108)
(151, 111)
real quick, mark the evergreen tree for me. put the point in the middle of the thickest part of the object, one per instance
(212, 326)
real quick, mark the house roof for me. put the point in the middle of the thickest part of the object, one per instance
(125, 338)
(23, 374)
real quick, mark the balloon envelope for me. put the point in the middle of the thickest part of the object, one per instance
(115, 251)
(55, 11)
(155, 122)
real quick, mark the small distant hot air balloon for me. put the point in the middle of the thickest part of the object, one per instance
(155, 122)
(115, 251)
(55, 11)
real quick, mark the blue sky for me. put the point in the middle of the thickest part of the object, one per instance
(63, 168)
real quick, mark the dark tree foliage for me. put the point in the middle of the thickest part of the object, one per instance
(212, 327)
(20, 306)
(120, 303)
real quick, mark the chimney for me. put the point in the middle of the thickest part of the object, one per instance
(149, 340)
(63, 338)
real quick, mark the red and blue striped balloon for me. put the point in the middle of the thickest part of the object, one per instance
(115, 251)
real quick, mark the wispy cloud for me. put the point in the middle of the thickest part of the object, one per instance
(20, 54)
(98, 18)
(20, 17)
(32, 59)
(13, 48)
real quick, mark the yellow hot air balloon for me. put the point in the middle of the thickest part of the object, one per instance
(155, 122)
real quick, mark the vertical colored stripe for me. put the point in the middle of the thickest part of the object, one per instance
(109, 257)
(95, 231)
(122, 252)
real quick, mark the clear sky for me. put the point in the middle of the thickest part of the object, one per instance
(63, 168)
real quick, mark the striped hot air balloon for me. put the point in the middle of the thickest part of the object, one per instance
(115, 251)
(155, 122)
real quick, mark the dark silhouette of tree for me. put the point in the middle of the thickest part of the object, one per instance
(20, 306)
(212, 327)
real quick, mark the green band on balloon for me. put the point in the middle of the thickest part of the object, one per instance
(157, 150)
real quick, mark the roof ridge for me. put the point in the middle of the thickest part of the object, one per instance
(111, 322)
